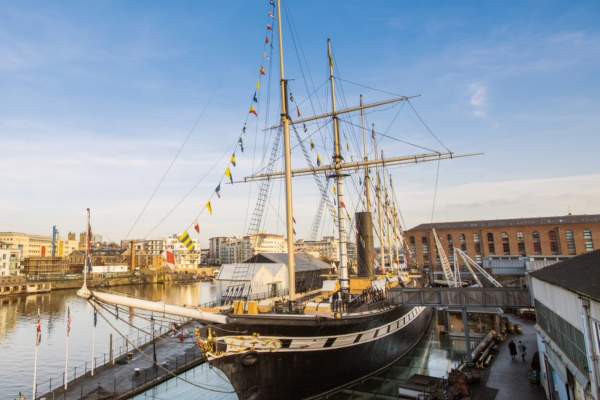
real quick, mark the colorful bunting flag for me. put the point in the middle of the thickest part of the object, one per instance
(342, 204)
(318, 160)
(228, 174)
(305, 128)
(298, 111)
(312, 145)
(253, 111)
(269, 27)
(291, 97)
(257, 86)
(262, 70)
(197, 227)
(270, 14)
(233, 160)
(241, 142)
(255, 98)
(186, 240)
(244, 128)
(209, 205)
(267, 40)
(218, 193)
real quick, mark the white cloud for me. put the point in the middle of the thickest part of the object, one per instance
(478, 99)
(578, 194)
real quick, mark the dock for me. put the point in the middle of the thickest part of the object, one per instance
(133, 372)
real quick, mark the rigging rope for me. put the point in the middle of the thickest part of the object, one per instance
(168, 371)
(164, 176)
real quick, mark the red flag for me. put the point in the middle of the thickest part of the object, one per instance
(170, 257)
(267, 40)
(262, 70)
(253, 111)
(197, 228)
(342, 204)
(68, 321)
(269, 27)
(38, 331)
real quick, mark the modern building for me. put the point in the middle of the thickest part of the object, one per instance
(28, 245)
(567, 235)
(567, 303)
(9, 261)
(327, 249)
(228, 250)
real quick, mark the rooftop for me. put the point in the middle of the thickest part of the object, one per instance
(580, 274)
(304, 262)
(497, 223)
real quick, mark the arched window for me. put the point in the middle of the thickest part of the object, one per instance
(463, 242)
(570, 238)
(553, 236)
(537, 243)
(521, 243)
(588, 241)
(505, 243)
(491, 245)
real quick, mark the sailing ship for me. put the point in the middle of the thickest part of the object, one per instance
(301, 345)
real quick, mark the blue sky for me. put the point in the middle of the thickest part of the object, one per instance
(96, 97)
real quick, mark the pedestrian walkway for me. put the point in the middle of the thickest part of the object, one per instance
(509, 376)
(130, 375)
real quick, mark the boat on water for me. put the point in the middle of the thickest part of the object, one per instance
(297, 345)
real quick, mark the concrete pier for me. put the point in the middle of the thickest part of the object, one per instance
(134, 372)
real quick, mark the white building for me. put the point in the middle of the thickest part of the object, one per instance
(9, 260)
(327, 249)
(567, 302)
(228, 250)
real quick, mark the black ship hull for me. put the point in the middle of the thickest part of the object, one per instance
(366, 346)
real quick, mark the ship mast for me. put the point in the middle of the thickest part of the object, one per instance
(285, 122)
(339, 180)
(365, 157)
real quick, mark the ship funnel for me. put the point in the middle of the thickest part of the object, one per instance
(364, 244)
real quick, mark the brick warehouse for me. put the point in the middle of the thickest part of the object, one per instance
(561, 235)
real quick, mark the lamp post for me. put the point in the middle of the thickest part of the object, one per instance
(153, 341)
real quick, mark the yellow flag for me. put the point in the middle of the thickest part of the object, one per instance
(228, 174)
(258, 85)
(209, 207)
(233, 160)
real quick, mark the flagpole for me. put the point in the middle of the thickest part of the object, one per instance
(87, 249)
(35, 357)
(67, 346)
(94, 342)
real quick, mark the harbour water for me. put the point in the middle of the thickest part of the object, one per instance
(18, 318)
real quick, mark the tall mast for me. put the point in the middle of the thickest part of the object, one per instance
(287, 150)
(365, 157)
(87, 262)
(379, 207)
(339, 179)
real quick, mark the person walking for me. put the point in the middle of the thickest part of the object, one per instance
(522, 350)
(512, 347)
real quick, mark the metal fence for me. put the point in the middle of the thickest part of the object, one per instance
(121, 348)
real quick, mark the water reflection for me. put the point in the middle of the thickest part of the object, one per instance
(18, 317)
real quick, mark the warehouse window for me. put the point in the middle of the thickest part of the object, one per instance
(571, 249)
(553, 242)
(521, 243)
(450, 248)
(537, 243)
(588, 242)
(463, 242)
(477, 242)
(505, 243)
(491, 245)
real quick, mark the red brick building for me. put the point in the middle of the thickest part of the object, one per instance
(546, 236)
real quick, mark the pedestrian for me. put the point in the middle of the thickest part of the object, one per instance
(522, 350)
(512, 347)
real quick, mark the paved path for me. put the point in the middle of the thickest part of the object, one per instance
(118, 380)
(511, 377)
